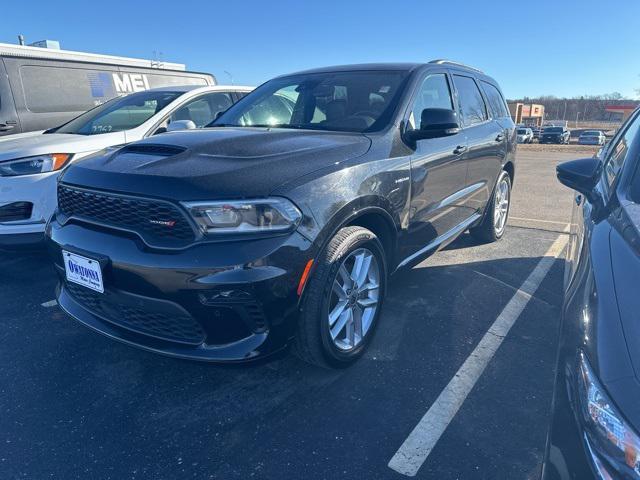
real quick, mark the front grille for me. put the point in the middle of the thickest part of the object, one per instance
(16, 211)
(179, 328)
(158, 223)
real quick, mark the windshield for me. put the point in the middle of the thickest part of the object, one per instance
(522, 131)
(553, 130)
(336, 101)
(591, 134)
(123, 113)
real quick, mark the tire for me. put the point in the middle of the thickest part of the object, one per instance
(320, 342)
(488, 231)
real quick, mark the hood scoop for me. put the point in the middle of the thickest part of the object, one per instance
(152, 149)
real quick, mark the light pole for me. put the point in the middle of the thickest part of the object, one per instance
(230, 76)
(577, 115)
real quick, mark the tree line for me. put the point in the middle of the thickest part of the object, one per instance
(583, 108)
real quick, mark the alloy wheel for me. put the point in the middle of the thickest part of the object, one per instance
(501, 207)
(354, 299)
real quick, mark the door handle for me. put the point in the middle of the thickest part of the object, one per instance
(460, 149)
(6, 128)
(500, 137)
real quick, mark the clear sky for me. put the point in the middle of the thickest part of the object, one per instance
(558, 47)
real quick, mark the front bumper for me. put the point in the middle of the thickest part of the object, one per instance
(38, 190)
(224, 301)
(551, 139)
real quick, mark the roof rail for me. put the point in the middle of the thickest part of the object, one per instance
(442, 61)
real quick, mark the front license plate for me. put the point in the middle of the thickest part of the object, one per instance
(83, 271)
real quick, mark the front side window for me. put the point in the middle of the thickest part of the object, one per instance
(204, 109)
(617, 152)
(357, 101)
(470, 100)
(119, 114)
(433, 93)
(496, 102)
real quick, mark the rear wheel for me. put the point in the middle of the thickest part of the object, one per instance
(342, 299)
(496, 214)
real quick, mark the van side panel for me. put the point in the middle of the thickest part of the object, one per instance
(48, 93)
(9, 123)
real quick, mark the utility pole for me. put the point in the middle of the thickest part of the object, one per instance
(577, 115)
(230, 76)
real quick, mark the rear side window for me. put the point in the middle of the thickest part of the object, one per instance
(470, 101)
(496, 103)
(619, 149)
(433, 93)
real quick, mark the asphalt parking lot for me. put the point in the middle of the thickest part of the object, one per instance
(75, 405)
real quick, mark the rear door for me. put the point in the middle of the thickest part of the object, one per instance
(438, 169)
(485, 139)
(8, 116)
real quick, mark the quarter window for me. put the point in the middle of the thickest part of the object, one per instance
(618, 151)
(496, 102)
(470, 101)
(433, 93)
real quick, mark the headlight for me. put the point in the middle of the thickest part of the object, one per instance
(245, 216)
(37, 164)
(615, 447)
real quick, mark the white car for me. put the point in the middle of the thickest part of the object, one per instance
(525, 135)
(592, 137)
(31, 162)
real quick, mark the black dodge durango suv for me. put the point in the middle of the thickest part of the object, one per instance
(282, 222)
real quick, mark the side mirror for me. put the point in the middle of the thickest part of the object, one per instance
(435, 123)
(181, 125)
(581, 175)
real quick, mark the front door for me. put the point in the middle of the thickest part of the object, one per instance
(438, 170)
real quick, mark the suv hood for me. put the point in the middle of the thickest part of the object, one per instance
(217, 163)
(38, 143)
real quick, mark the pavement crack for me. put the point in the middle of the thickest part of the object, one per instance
(546, 230)
(509, 286)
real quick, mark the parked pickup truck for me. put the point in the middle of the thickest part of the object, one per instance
(559, 135)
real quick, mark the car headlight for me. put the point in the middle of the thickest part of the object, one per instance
(245, 216)
(36, 164)
(613, 444)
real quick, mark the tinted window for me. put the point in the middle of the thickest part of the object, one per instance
(618, 150)
(203, 110)
(433, 93)
(119, 114)
(496, 102)
(343, 101)
(470, 100)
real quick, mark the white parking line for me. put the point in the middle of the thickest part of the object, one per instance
(424, 437)
(49, 304)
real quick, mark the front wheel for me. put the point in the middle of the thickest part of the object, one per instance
(496, 213)
(342, 300)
